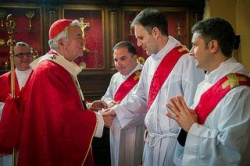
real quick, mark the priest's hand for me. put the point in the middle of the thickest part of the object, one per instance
(113, 103)
(108, 112)
(183, 115)
(98, 105)
(108, 120)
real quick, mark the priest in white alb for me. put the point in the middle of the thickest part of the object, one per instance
(126, 137)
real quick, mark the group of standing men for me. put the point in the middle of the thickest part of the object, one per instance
(213, 113)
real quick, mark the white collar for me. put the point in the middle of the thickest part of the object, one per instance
(25, 72)
(138, 67)
(71, 67)
(226, 67)
(171, 43)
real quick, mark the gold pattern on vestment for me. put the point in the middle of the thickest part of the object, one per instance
(232, 81)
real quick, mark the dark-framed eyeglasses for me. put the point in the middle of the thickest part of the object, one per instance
(22, 54)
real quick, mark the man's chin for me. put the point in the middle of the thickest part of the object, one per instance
(24, 68)
(122, 73)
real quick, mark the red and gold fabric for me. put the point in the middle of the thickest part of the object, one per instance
(162, 72)
(213, 95)
(127, 85)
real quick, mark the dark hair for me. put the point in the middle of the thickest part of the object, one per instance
(217, 29)
(150, 18)
(22, 44)
(126, 44)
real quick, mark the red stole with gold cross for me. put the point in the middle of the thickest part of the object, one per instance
(127, 85)
(162, 72)
(213, 95)
(210, 99)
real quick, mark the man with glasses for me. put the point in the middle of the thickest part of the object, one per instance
(22, 58)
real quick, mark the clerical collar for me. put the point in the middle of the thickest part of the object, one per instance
(24, 71)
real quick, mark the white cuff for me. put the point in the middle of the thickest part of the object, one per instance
(100, 125)
(88, 105)
(1, 108)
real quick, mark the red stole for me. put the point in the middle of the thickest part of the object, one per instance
(127, 85)
(213, 95)
(162, 72)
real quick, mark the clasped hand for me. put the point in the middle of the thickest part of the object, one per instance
(108, 116)
(98, 105)
(183, 115)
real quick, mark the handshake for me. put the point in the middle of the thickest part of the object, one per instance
(105, 109)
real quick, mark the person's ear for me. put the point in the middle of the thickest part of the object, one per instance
(213, 45)
(135, 57)
(155, 32)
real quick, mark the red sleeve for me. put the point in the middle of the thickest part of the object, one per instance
(5, 86)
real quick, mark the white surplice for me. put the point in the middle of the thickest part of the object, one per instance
(162, 131)
(126, 141)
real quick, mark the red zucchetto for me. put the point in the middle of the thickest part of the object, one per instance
(58, 26)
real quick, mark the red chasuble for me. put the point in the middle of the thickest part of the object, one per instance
(56, 130)
(162, 72)
(210, 99)
(127, 85)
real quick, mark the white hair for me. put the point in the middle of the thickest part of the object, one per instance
(53, 43)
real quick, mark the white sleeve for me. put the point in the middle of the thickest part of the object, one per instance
(1, 109)
(133, 111)
(100, 125)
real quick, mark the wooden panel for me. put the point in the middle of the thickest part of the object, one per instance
(28, 20)
(92, 21)
(94, 86)
(178, 24)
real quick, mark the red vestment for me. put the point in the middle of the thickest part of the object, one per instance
(210, 99)
(5, 86)
(56, 130)
(127, 85)
(11, 120)
(162, 72)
